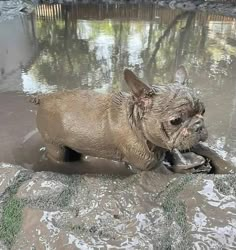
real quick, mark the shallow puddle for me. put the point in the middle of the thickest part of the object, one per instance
(211, 214)
(88, 47)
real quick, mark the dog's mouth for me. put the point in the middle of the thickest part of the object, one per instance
(185, 161)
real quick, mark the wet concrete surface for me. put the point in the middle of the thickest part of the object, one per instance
(143, 211)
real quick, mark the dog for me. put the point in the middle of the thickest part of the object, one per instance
(137, 128)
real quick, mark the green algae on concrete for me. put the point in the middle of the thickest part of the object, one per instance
(11, 220)
(175, 213)
(11, 208)
(226, 184)
(46, 191)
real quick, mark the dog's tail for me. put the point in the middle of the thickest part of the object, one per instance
(35, 99)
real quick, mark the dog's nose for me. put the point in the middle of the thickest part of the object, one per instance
(198, 125)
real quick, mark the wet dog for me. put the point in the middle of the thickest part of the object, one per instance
(136, 128)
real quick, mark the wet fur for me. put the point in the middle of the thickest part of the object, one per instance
(134, 128)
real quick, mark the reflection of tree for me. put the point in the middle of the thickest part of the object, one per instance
(230, 143)
(72, 50)
(65, 59)
(203, 38)
(160, 40)
(231, 136)
(184, 38)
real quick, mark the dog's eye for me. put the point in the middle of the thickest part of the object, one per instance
(176, 121)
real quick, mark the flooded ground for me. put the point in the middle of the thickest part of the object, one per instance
(88, 46)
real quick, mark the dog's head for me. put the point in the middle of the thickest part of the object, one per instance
(170, 116)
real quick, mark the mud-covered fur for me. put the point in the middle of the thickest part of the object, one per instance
(169, 104)
(135, 128)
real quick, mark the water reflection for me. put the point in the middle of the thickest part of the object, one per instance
(90, 53)
(88, 46)
(212, 215)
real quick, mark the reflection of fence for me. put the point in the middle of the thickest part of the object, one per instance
(114, 11)
(48, 11)
(100, 12)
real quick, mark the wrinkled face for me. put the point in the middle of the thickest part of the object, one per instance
(175, 119)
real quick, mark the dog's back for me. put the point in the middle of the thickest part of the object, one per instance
(80, 120)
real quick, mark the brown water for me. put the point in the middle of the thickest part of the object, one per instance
(88, 46)
(61, 47)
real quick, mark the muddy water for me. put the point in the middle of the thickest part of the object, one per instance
(211, 213)
(88, 46)
(65, 47)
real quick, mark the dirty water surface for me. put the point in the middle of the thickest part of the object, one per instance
(87, 47)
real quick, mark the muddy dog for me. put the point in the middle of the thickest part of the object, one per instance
(137, 128)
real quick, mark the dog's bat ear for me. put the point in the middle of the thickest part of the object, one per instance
(137, 87)
(141, 91)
